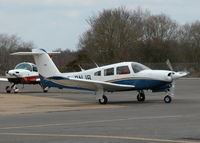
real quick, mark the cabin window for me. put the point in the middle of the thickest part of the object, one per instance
(98, 73)
(123, 70)
(109, 71)
(35, 69)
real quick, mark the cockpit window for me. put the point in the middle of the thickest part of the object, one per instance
(98, 73)
(24, 66)
(137, 67)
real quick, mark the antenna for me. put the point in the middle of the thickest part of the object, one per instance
(95, 63)
(81, 68)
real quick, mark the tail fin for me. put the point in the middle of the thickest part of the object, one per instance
(45, 65)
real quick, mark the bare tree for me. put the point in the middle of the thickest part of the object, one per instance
(10, 44)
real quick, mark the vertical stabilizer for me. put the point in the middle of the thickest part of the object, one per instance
(45, 65)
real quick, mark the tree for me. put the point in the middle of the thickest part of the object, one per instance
(113, 34)
(8, 45)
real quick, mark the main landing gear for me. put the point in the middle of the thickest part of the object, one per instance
(45, 89)
(12, 87)
(101, 97)
(104, 100)
(141, 96)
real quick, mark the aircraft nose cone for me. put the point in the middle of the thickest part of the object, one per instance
(176, 75)
(13, 73)
(179, 74)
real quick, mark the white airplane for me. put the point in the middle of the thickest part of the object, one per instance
(124, 76)
(23, 73)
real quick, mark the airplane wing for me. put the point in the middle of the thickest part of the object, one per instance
(90, 84)
(3, 79)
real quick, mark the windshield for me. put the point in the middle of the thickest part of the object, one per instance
(137, 67)
(25, 66)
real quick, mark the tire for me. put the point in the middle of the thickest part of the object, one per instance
(104, 100)
(45, 89)
(167, 99)
(141, 97)
(7, 89)
(16, 90)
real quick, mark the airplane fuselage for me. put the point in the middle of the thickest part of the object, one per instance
(125, 74)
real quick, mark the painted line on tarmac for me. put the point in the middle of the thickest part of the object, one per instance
(192, 78)
(100, 136)
(90, 122)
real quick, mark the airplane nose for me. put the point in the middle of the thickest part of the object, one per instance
(176, 75)
(180, 74)
(169, 76)
(13, 73)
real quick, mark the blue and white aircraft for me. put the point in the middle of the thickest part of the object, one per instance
(124, 76)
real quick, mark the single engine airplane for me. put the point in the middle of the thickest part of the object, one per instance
(23, 73)
(124, 76)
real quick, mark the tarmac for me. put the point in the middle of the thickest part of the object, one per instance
(71, 116)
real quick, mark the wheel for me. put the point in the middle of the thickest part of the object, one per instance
(141, 97)
(16, 90)
(104, 100)
(8, 90)
(167, 99)
(45, 89)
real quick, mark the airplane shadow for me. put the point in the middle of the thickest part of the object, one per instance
(134, 102)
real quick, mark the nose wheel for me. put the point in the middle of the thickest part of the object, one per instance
(167, 99)
(10, 88)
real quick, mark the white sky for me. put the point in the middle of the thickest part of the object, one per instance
(53, 24)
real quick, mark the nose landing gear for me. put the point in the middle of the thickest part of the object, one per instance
(167, 99)
(170, 94)
(10, 88)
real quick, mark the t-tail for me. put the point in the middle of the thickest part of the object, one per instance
(45, 65)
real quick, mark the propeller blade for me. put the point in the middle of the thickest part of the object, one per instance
(169, 65)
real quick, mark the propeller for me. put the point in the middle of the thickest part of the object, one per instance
(169, 65)
(175, 75)
(171, 75)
